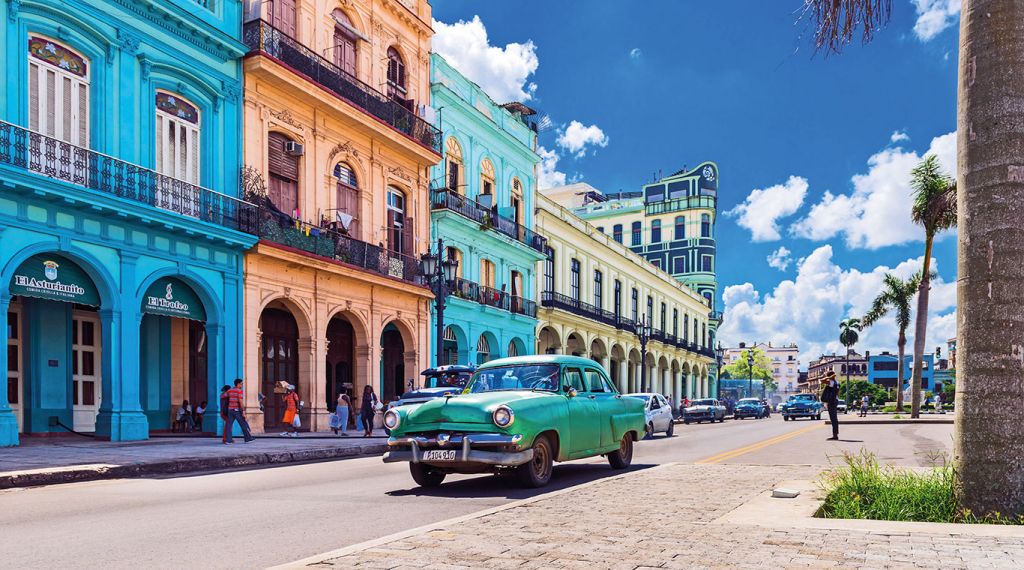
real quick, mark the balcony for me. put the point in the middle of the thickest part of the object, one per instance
(262, 38)
(679, 204)
(30, 151)
(325, 242)
(465, 289)
(446, 199)
(577, 307)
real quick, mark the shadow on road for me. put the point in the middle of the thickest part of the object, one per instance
(506, 486)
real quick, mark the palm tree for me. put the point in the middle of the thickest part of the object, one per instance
(990, 132)
(848, 336)
(935, 209)
(895, 296)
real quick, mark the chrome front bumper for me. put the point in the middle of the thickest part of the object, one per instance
(466, 444)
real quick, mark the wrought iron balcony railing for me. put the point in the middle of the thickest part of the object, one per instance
(446, 199)
(34, 152)
(466, 289)
(281, 229)
(262, 38)
(678, 204)
(583, 309)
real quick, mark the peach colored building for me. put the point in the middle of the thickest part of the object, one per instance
(338, 156)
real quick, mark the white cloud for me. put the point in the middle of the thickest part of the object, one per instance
(934, 16)
(635, 54)
(877, 212)
(898, 136)
(577, 137)
(807, 310)
(502, 73)
(548, 175)
(780, 258)
(761, 211)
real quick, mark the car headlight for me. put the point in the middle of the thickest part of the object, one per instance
(392, 419)
(503, 417)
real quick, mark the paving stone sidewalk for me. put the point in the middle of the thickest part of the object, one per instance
(65, 460)
(665, 518)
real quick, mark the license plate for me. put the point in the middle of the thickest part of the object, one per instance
(439, 455)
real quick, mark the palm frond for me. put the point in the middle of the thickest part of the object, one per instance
(836, 21)
(934, 204)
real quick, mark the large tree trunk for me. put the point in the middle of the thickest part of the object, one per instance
(989, 435)
(901, 349)
(920, 329)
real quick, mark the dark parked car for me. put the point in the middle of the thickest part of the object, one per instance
(802, 406)
(749, 408)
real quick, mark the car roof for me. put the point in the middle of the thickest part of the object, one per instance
(540, 359)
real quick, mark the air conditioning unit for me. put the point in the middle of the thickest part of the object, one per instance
(294, 149)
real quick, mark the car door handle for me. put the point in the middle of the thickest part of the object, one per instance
(592, 396)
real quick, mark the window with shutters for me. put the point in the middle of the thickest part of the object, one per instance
(598, 289)
(617, 232)
(686, 328)
(656, 231)
(58, 93)
(346, 214)
(636, 233)
(344, 46)
(574, 279)
(282, 15)
(283, 169)
(516, 201)
(487, 182)
(453, 158)
(549, 269)
(456, 255)
(705, 225)
(397, 230)
(649, 315)
(675, 322)
(487, 273)
(635, 305)
(680, 227)
(177, 154)
(396, 74)
(618, 298)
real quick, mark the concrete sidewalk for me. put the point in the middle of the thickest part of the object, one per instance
(677, 516)
(48, 461)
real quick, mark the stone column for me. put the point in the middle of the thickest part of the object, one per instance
(120, 417)
(8, 421)
(212, 423)
(677, 387)
(253, 384)
(623, 376)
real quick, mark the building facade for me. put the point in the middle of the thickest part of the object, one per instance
(785, 363)
(883, 370)
(595, 295)
(856, 366)
(120, 232)
(338, 158)
(482, 207)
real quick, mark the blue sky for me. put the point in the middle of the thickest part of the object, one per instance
(813, 150)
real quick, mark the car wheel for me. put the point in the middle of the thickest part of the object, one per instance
(785, 418)
(623, 456)
(686, 422)
(671, 429)
(721, 419)
(425, 475)
(649, 431)
(537, 472)
(817, 417)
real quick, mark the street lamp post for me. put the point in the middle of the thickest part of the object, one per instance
(439, 273)
(719, 354)
(750, 372)
(643, 333)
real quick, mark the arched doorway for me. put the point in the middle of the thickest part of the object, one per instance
(574, 345)
(279, 357)
(548, 341)
(341, 358)
(486, 348)
(392, 362)
(451, 345)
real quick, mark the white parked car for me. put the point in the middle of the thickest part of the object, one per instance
(659, 413)
(841, 407)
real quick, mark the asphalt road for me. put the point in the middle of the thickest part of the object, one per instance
(262, 517)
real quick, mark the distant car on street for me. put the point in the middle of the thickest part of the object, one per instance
(437, 382)
(748, 408)
(802, 406)
(658, 413)
(842, 406)
(705, 410)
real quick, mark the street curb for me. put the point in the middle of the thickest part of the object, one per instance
(899, 421)
(180, 466)
(365, 545)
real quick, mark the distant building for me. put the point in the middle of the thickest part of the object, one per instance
(785, 363)
(856, 365)
(883, 371)
(944, 373)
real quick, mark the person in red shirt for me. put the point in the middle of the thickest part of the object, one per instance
(291, 408)
(236, 413)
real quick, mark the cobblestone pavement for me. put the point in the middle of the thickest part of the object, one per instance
(664, 518)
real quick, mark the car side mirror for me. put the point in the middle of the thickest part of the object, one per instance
(570, 392)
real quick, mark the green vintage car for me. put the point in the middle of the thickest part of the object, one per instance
(517, 415)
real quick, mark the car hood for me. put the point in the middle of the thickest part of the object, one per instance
(469, 408)
(755, 406)
(700, 408)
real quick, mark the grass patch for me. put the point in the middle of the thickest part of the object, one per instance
(864, 489)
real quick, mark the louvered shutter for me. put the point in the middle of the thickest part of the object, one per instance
(408, 237)
(453, 176)
(393, 232)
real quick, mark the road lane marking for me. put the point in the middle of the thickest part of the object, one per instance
(755, 446)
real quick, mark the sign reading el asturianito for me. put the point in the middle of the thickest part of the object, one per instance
(173, 298)
(54, 277)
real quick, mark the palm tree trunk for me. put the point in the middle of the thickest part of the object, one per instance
(921, 328)
(989, 433)
(901, 348)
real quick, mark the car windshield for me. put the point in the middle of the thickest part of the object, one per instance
(801, 397)
(515, 377)
(750, 401)
(703, 403)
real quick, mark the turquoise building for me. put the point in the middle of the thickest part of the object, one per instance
(121, 239)
(482, 207)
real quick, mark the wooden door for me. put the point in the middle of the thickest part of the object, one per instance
(279, 355)
(85, 369)
(197, 364)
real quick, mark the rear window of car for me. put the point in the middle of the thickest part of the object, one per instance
(704, 403)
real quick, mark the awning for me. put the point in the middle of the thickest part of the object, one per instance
(54, 277)
(171, 297)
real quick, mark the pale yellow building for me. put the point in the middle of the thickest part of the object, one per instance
(594, 291)
(338, 156)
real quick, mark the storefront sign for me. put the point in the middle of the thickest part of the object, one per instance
(173, 298)
(49, 276)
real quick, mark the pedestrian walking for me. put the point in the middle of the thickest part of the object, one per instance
(341, 414)
(224, 411)
(236, 412)
(369, 405)
(830, 396)
(291, 413)
(865, 401)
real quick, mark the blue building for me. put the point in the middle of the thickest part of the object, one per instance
(120, 242)
(883, 369)
(482, 207)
